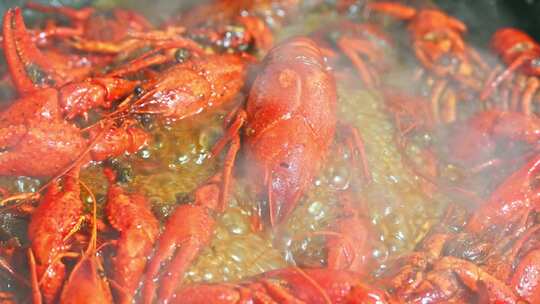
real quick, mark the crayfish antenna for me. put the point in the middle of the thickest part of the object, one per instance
(85, 281)
(355, 144)
(34, 283)
(273, 213)
(153, 57)
(92, 244)
(354, 49)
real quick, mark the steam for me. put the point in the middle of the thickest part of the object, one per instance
(159, 11)
(388, 201)
(482, 18)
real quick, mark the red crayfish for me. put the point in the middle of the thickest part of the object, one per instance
(437, 39)
(477, 140)
(511, 201)
(94, 31)
(286, 172)
(290, 123)
(130, 214)
(57, 218)
(519, 52)
(289, 285)
(37, 123)
(188, 230)
(364, 44)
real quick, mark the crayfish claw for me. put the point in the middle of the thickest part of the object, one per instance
(29, 68)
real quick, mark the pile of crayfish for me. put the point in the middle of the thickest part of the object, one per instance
(94, 94)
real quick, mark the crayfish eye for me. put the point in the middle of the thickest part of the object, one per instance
(535, 63)
(182, 55)
(250, 131)
(124, 173)
(102, 274)
(244, 47)
(334, 36)
(184, 197)
(37, 75)
(138, 91)
(235, 38)
(146, 120)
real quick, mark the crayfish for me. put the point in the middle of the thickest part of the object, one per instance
(95, 89)
(438, 44)
(39, 124)
(520, 53)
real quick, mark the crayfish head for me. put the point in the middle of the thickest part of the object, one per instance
(87, 283)
(287, 177)
(77, 98)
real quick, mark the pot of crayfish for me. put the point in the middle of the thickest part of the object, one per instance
(278, 151)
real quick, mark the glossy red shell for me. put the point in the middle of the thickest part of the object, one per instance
(291, 115)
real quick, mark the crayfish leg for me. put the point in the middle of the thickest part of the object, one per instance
(71, 13)
(34, 283)
(350, 47)
(396, 10)
(530, 91)
(232, 136)
(188, 230)
(507, 73)
(355, 144)
(347, 240)
(179, 265)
